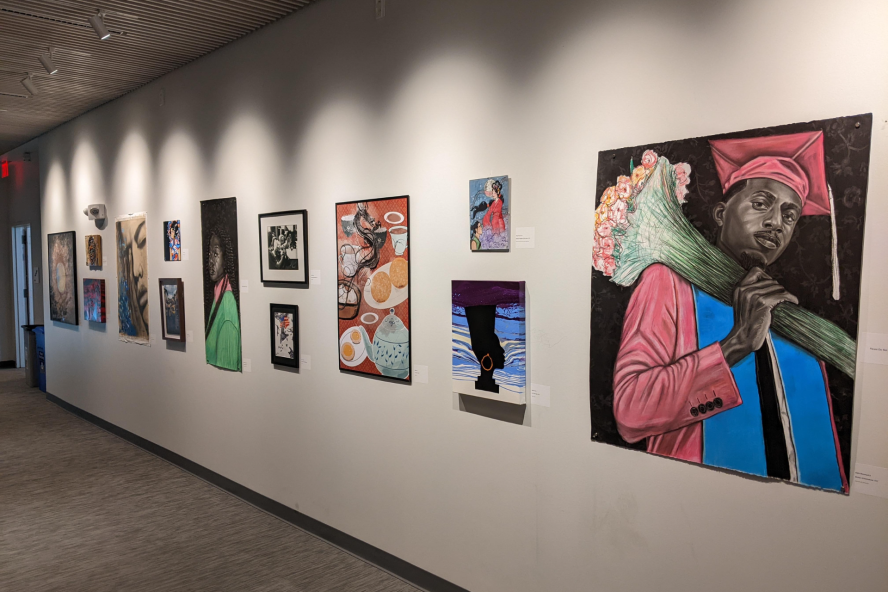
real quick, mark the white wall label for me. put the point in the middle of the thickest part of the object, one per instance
(421, 373)
(304, 362)
(525, 237)
(189, 335)
(152, 340)
(876, 351)
(870, 480)
(184, 254)
(540, 395)
(247, 365)
(104, 261)
(245, 286)
(314, 276)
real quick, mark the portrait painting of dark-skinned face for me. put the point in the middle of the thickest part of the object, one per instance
(725, 298)
(489, 340)
(218, 221)
(132, 278)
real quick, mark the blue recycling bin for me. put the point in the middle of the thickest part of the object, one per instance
(41, 357)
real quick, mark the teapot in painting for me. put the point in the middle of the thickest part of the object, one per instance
(390, 350)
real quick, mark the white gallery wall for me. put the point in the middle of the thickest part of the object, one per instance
(332, 105)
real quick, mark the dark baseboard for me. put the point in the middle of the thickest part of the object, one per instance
(382, 559)
(7, 364)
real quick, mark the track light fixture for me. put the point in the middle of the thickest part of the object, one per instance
(48, 64)
(29, 84)
(99, 25)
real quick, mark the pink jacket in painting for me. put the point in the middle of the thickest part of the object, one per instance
(661, 374)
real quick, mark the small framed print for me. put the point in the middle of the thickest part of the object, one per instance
(283, 247)
(172, 309)
(285, 335)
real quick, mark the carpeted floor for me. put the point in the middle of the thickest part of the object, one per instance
(82, 510)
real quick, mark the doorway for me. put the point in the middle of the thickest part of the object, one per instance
(21, 281)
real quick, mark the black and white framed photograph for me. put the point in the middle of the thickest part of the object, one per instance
(283, 247)
(285, 335)
(172, 306)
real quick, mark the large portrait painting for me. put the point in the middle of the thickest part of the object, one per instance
(62, 277)
(373, 287)
(725, 297)
(218, 221)
(132, 278)
(489, 353)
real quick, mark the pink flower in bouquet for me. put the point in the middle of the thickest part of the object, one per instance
(618, 214)
(606, 245)
(604, 263)
(624, 187)
(683, 177)
(648, 159)
(604, 228)
(609, 195)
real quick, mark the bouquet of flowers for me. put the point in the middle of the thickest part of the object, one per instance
(639, 222)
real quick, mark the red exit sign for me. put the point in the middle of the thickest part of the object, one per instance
(4, 169)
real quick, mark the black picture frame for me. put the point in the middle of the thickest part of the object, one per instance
(286, 309)
(180, 297)
(63, 312)
(278, 275)
(339, 277)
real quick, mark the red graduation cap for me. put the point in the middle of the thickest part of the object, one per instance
(796, 160)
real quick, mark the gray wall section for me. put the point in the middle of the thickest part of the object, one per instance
(19, 204)
(332, 105)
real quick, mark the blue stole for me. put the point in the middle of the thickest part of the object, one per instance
(733, 439)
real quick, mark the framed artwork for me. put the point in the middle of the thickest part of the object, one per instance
(94, 300)
(373, 287)
(490, 201)
(172, 241)
(283, 247)
(285, 335)
(489, 341)
(172, 317)
(131, 231)
(221, 283)
(725, 298)
(62, 277)
(94, 250)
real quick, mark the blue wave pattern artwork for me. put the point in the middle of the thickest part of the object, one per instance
(510, 329)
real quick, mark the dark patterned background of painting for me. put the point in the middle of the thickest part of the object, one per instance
(804, 268)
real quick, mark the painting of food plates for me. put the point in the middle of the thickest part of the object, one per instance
(373, 264)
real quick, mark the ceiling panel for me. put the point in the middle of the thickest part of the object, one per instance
(149, 38)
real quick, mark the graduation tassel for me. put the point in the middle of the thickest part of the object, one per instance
(835, 245)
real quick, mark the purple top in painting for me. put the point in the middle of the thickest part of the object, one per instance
(502, 294)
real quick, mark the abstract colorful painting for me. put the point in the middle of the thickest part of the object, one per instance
(94, 250)
(172, 318)
(489, 218)
(373, 287)
(285, 335)
(131, 231)
(94, 300)
(725, 296)
(283, 247)
(221, 283)
(172, 241)
(489, 340)
(62, 277)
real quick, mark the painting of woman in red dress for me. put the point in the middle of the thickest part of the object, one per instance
(489, 205)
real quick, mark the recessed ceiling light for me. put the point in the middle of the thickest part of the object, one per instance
(99, 26)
